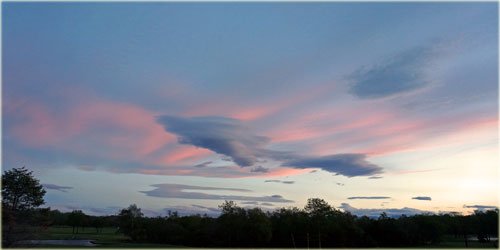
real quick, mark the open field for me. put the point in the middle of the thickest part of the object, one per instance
(108, 237)
(452, 242)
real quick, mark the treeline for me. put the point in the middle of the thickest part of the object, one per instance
(317, 225)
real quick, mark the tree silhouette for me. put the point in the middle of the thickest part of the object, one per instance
(76, 219)
(21, 193)
(131, 223)
(21, 190)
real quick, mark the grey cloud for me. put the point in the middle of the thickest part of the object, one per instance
(250, 203)
(203, 164)
(422, 198)
(259, 169)
(220, 134)
(213, 209)
(272, 181)
(57, 187)
(231, 138)
(278, 181)
(368, 198)
(375, 177)
(401, 73)
(340, 184)
(179, 191)
(345, 164)
(481, 207)
(257, 203)
(375, 212)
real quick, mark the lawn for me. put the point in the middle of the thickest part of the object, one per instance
(451, 242)
(108, 237)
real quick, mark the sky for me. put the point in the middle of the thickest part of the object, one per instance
(372, 107)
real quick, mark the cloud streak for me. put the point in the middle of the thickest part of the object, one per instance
(481, 207)
(222, 135)
(422, 198)
(401, 73)
(344, 164)
(232, 138)
(278, 181)
(368, 198)
(57, 187)
(180, 191)
(259, 169)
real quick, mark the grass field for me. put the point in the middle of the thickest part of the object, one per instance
(451, 242)
(108, 237)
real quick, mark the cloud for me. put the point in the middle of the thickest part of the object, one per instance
(345, 164)
(375, 177)
(250, 203)
(213, 209)
(259, 169)
(202, 165)
(278, 181)
(179, 191)
(340, 184)
(401, 73)
(481, 207)
(230, 137)
(222, 135)
(375, 212)
(57, 187)
(422, 198)
(368, 198)
(272, 181)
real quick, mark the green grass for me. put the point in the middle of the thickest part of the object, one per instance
(108, 237)
(451, 242)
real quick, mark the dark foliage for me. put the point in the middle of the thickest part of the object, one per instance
(22, 194)
(318, 225)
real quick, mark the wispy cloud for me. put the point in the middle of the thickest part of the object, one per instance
(368, 198)
(232, 138)
(401, 73)
(422, 198)
(259, 169)
(181, 191)
(279, 181)
(272, 181)
(57, 187)
(222, 135)
(203, 164)
(345, 164)
(481, 207)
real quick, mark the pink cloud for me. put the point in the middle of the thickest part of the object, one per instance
(255, 111)
(182, 153)
(95, 127)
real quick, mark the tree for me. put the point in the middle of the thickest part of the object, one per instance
(76, 219)
(20, 190)
(21, 194)
(131, 222)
